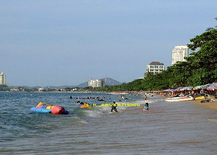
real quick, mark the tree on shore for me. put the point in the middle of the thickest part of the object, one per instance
(204, 61)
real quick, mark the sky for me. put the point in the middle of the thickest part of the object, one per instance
(68, 42)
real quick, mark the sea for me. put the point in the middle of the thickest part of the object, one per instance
(167, 128)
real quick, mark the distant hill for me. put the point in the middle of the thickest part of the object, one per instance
(110, 81)
(107, 81)
(82, 85)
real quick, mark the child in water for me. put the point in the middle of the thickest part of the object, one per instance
(146, 107)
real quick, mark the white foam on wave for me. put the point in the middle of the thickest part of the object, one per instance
(213, 120)
(93, 113)
(79, 120)
(83, 122)
(150, 101)
(98, 111)
(103, 109)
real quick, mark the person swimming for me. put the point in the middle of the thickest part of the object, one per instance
(146, 106)
(79, 102)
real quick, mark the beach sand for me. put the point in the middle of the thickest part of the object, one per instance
(211, 105)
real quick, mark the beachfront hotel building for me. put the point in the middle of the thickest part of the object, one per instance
(155, 67)
(95, 83)
(179, 53)
(2, 78)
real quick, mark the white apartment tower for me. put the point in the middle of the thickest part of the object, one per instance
(155, 67)
(2, 78)
(95, 83)
(90, 83)
(99, 83)
(179, 53)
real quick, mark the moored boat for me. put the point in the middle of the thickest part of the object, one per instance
(199, 97)
(180, 98)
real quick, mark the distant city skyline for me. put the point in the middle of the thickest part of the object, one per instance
(46, 43)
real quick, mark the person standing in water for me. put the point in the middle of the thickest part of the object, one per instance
(145, 97)
(114, 107)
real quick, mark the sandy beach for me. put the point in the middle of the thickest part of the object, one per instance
(211, 105)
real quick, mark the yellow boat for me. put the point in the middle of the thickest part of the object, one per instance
(199, 97)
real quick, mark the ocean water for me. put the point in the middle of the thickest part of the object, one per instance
(167, 128)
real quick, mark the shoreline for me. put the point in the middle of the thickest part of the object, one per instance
(210, 105)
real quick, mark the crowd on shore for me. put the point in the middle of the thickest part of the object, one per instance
(209, 100)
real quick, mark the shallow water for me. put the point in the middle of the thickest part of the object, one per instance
(167, 128)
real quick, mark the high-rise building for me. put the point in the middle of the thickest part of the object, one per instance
(90, 83)
(179, 53)
(99, 83)
(155, 67)
(2, 78)
(95, 83)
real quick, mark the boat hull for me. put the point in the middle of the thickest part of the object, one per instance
(179, 99)
(199, 97)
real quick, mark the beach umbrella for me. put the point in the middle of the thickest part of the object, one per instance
(197, 87)
(190, 88)
(205, 86)
(186, 88)
(170, 89)
(212, 86)
(173, 89)
(178, 89)
(201, 87)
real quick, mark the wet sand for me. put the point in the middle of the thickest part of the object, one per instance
(210, 105)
